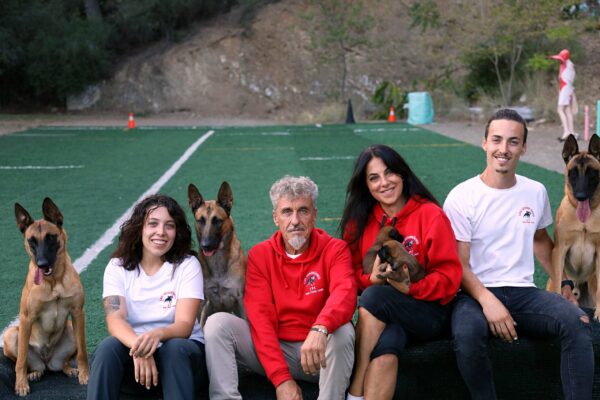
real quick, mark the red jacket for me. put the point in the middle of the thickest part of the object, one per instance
(428, 236)
(285, 297)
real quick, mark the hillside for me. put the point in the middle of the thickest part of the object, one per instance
(270, 69)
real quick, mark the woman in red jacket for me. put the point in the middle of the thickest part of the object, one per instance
(382, 191)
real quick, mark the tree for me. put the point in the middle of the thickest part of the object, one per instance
(341, 27)
(501, 35)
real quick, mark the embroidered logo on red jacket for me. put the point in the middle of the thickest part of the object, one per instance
(168, 299)
(312, 283)
(411, 244)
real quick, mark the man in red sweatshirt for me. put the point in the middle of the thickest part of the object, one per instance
(300, 296)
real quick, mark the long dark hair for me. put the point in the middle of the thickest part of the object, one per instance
(360, 202)
(130, 245)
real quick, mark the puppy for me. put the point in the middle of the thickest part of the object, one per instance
(385, 233)
(401, 262)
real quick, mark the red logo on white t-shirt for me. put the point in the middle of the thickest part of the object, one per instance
(527, 215)
(168, 299)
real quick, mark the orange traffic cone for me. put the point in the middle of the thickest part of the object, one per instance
(131, 123)
(392, 116)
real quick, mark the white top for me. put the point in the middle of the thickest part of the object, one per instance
(499, 224)
(151, 300)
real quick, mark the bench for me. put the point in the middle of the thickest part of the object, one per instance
(526, 369)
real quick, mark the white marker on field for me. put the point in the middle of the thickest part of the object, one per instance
(106, 239)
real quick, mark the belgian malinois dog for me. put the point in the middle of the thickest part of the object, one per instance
(45, 338)
(577, 225)
(220, 253)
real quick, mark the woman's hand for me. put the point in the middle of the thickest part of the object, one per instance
(402, 286)
(146, 373)
(146, 344)
(375, 280)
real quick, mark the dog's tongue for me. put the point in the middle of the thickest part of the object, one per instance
(208, 253)
(37, 278)
(583, 210)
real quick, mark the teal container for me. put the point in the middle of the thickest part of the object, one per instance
(420, 108)
(598, 118)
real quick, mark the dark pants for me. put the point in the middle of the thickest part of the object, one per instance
(538, 314)
(406, 319)
(180, 362)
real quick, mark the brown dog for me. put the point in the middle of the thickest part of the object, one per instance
(385, 233)
(221, 255)
(401, 262)
(45, 338)
(577, 225)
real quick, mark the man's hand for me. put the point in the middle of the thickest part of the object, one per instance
(568, 294)
(145, 344)
(289, 390)
(499, 319)
(145, 371)
(312, 352)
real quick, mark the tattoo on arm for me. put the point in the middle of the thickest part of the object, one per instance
(111, 304)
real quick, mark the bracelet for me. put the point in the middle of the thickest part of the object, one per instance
(567, 282)
(320, 330)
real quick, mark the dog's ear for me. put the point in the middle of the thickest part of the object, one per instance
(23, 217)
(594, 146)
(394, 234)
(51, 212)
(225, 197)
(195, 199)
(570, 149)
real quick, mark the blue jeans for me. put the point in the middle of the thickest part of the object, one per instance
(180, 363)
(406, 318)
(538, 314)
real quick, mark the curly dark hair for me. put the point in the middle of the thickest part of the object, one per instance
(360, 202)
(129, 249)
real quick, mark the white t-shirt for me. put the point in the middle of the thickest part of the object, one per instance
(499, 224)
(151, 300)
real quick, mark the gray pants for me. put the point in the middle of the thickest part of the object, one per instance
(228, 342)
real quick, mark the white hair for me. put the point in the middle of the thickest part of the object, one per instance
(294, 187)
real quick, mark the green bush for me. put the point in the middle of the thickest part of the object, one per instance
(388, 94)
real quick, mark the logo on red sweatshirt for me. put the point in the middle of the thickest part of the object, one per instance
(312, 283)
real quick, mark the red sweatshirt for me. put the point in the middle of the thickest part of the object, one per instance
(285, 297)
(428, 236)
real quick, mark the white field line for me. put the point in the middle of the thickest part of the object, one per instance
(5, 167)
(327, 158)
(106, 239)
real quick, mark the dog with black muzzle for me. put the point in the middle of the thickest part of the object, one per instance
(45, 338)
(220, 253)
(577, 226)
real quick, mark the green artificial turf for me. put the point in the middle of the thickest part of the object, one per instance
(111, 168)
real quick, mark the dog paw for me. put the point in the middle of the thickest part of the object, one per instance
(22, 388)
(83, 376)
(597, 315)
(34, 376)
(70, 372)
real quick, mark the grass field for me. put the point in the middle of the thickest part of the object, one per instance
(94, 175)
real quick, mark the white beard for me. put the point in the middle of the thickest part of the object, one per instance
(297, 242)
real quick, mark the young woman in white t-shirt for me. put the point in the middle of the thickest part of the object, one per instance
(152, 291)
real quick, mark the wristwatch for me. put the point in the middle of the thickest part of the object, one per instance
(324, 331)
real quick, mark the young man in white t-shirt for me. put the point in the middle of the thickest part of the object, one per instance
(499, 219)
